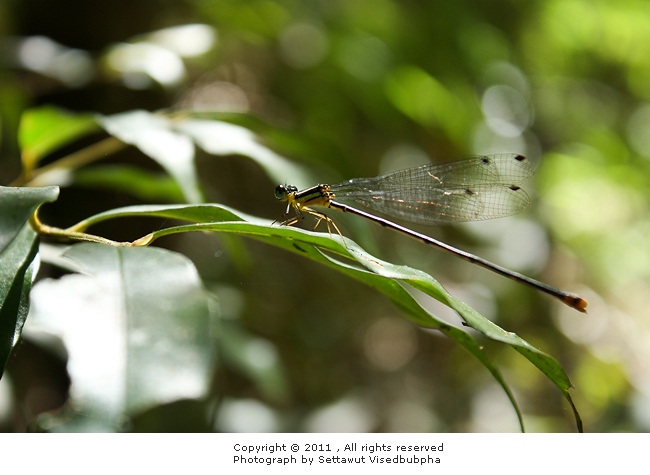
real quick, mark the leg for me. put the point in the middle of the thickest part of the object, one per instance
(291, 221)
(320, 216)
(328, 222)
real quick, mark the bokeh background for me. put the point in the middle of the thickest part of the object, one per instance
(355, 88)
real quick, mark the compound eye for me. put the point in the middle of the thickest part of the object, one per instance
(281, 192)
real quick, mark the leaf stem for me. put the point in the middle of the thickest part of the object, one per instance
(66, 235)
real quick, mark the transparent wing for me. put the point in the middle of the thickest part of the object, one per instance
(483, 187)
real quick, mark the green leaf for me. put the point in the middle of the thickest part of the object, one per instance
(138, 325)
(18, 251)
(16, 207)
(45, 129)
(143, 184)
(384, 276)
(17, 270)
(204, 213)
(154, 136)
(221, 138)
(170, 142)
(347, 257)
(254, 358)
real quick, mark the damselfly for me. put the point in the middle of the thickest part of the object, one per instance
(483, 187)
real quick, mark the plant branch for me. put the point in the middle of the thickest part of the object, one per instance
(75, 160)
(65, 235)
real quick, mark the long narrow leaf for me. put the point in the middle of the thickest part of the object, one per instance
(373, 271)
(17, 269)
(18, 260)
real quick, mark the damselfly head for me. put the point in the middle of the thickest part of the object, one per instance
(282, 191)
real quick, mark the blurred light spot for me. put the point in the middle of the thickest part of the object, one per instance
(641, 410)
(6, 400)
(73, 67)
(303, 45)
(136, 61)
(506, 110)
(507, 74)
(364, 56)
(390, 343)
(246, 415)
(409, 416)
(346, 415)
(521, 243)
(36, 53)
(139, 337)
(186, 40)
(217, 96)
(638, 130)
(261, 354)
(56, 176)
(492, 411)
(231, 301)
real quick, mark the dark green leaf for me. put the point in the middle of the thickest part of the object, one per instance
(16, 207)
(17, 269)
(143, 184)
(18, 250)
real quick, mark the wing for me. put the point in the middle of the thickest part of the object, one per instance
(483, 187)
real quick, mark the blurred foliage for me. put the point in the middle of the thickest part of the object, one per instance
(352, 89)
